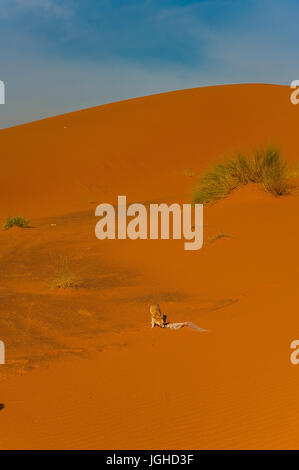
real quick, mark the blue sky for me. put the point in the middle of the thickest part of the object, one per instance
(57, 56)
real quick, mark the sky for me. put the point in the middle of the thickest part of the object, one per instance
(58, 56)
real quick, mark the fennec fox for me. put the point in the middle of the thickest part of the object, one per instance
(157, 317)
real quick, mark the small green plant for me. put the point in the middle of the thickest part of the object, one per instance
(17, 221)
(265, 168)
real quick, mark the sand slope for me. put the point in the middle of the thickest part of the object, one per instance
(137, 147)
(84, 369)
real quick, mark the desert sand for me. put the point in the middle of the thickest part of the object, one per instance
(84, 369)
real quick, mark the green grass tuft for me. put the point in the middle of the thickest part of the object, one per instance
(16, 221)
(265, 168)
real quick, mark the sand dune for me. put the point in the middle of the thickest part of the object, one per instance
(84, 368)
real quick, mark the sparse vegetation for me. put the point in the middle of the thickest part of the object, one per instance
(65, 280)
(64, 277)
(218, 236)
(265, 167)
(17, 221)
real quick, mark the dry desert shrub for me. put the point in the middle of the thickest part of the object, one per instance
(64, 277)
(218, 236)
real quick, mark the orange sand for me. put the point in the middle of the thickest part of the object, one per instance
(84, 370)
